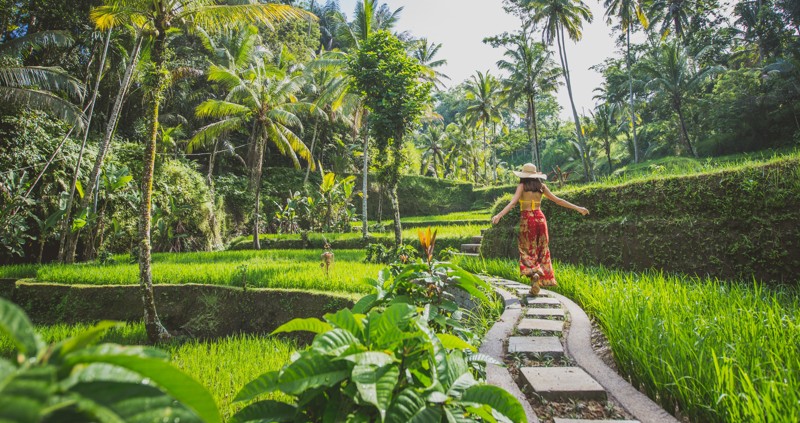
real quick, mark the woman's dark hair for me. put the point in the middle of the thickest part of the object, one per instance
(532, 184)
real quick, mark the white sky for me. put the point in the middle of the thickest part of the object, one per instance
(461, 25)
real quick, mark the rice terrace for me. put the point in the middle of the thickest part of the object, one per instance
(556, 211)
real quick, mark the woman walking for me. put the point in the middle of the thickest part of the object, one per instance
(534, 250)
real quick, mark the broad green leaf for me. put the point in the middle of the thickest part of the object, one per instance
(484, 358)
(393, 319)
(453, 342)
(437, 397)
(365, 303)
(79, 188)
(25, 392)
(265, 411)
(498, 399)
(83, 339)
(409, 407)
(112, 401)
(335, 342)
(310, 324)
(376, 384)
(264, 384)
(167, 377)
(345, 319)
(464, 382)
(312, 370)
(457, 416)
(15, 323)
(374, 358)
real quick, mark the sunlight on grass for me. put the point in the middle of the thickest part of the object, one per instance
(288, 269)
(719, 352)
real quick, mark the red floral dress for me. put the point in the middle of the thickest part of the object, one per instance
(534, 250)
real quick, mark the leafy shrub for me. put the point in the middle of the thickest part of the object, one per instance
(75, 380)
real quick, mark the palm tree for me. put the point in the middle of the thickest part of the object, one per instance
(484, 98)
(432, 143)
(36, 86)
(425, 52)
(672, 72)
(260, 102)
(531, 72)
(559, 19)
(627, 12)
(160, 17)
(606, 128)
(674, 15)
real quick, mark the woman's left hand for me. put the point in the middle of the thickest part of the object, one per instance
(583, 210)
(495, 219)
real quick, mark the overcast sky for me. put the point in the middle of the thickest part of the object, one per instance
(461, 25)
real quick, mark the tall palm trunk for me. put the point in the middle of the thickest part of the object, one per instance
(313, 143)
(485, 150)
(255, 181)
(562, 55)
(66, 226)
(155, 330)
(684, 130)
(533, 132)
(105, 145)
(215, 230)
(630, 90)
(394, 180)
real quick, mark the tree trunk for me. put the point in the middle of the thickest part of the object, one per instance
(485, 150)
(684, 131)
(608, 155)
(155, 330)
(394, 180)
(562, 50)
(365, 187)
(313, 142)
(630, 89)
(213, 194)
(66, 228)
(105, 145)
(255, 183)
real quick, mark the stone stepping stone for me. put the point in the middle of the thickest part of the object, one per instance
(545, 312)
(563, 383)
(543, 301)
(477, 239)
(527, 326)
(560, 420)
(471, 248)
(542, 345)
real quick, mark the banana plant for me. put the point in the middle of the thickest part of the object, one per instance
(384, 366)
(77, 380)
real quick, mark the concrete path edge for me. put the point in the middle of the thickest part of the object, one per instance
(579, 346)
(492, 345)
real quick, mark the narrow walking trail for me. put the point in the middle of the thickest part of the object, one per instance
(545, 342)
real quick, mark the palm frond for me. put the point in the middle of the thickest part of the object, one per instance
(220, 109)
(213, 132)
(42, 78)
(42, 100)
(36, 40)
(227, 77)
(116, 13)
(218, 17)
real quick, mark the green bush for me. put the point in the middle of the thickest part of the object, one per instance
(75, 380)
(737, 223)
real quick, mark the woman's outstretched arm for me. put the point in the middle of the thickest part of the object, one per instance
(563, 203)
(496, 218)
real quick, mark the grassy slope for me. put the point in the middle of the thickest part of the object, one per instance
(292, 269)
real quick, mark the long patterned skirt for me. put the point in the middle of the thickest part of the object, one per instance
(534, 250)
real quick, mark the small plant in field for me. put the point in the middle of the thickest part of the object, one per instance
(241, 270)
(387, 365)
(76, 380)
(327, 259)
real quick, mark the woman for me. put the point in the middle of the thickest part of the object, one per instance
(534, 252)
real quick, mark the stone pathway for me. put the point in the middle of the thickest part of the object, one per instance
(552, 332)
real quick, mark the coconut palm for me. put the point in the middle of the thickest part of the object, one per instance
(673, 73)
(560, 19)
(261, 102)
(39, 87)
(532, 72)
(160, 17)
(673, 15)
(484, 99)
(425, 52)
(432, 143)
(627, 13)
(605, 127)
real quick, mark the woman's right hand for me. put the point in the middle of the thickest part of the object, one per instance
(583, 210)
(495, 219)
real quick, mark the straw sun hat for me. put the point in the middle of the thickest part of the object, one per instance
(529, 171)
